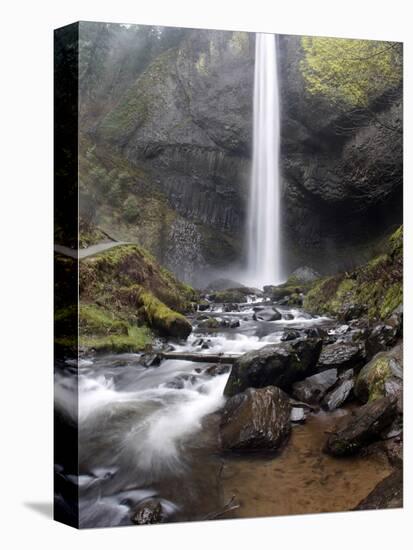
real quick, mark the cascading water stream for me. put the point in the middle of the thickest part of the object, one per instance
(264, 249)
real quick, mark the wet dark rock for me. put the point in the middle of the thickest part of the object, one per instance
(341, 355)
(298, 414)
(267, 314)
(148, 512)
(362, 427)
(276, 364)
(339, 395)
(288, 316)
(342, 329)
(179, 382)
(216, 370)
(203, 306)
(383, 375)
(387, 494)
(394, 430)
(381, 337)
(213, 323)
(314, 332)
(257, 419)
(396, 320)
(198, 342)
(202, 317)
(351, 311)
(230, 307)
(151, 360)
(290, 334)
(234, 323)
(313, 388)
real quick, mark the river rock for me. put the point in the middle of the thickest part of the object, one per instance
(216, 370)
(288, 316)
(381, 337)
(276, 364)
(148, 512)
(257, 419)
(341, 355)
(290, 334)
(313, 388)
(396, 320)
(298, 414)
(387, 494)
(230, 307)
(150, 360)
(362, 427)
(339, 395)
(234, 323)
(386, 367)
(267, 314)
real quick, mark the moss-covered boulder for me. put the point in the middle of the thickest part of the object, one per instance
(371, 383)
(128, 265)
(374, 289)
(163, 319)
(126, 298)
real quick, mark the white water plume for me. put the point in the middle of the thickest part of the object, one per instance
(264, 248)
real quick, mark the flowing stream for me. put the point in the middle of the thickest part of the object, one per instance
(264, 250)
(153, 432)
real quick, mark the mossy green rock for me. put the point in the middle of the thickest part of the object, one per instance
(126, 297)
(371, 380)
(374, 289)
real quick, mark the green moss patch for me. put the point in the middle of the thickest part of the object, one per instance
(375, 288)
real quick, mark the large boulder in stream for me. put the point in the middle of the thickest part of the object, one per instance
(257, 419)
(276, 364)
(361, 428)
(342, 355)
(267, 314)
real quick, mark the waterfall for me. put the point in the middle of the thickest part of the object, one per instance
(264, 250)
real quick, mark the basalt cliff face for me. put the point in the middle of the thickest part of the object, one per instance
(180, 126)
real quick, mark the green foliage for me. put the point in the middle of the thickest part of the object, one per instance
(131, 209)
(349, 71)
(162, 318)
(376, 287)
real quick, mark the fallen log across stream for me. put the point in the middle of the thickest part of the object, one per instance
(200, 357)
